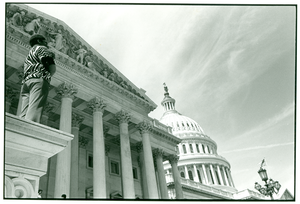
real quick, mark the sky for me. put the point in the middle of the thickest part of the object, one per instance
(230, 68)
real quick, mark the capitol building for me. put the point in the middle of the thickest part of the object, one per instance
(96, 140)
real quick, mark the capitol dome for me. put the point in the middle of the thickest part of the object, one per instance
(199, 163)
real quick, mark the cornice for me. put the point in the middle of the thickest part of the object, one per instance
(113, 78)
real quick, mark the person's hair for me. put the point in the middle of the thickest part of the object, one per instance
(35, 39)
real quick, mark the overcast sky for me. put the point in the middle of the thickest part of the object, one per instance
(230, 68)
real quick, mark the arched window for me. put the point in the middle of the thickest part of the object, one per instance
(198, 172)
(191, 148)
(191, 175)
(197, 147)
(182, 174)
(184, 148)
(203, 149)
(208, 149)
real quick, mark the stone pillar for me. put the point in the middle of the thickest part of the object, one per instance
(226, 180)
(205, 174)
(83, 143)
(194, 147)
(107, 149)
(158, 155)
(188, 150)
(47, 110)
(201, 148)
(220, 175)
(173, 159)
(144, 129)
(180, 149)
(213, 174)
(76, 122)
(196, 178)
(99, 182)
(63, 165)
(139, 147)
(10, 95)
(230, 177)
(186, 172)
(126, 163)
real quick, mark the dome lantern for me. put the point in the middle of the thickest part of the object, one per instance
(168, 102)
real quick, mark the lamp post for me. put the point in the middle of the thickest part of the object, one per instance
(270, 186)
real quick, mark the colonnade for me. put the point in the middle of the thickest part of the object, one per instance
(67, 160)
(195, 147)
(207, 174)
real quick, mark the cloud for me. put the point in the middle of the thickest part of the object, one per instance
(258, 147)
(271, 122)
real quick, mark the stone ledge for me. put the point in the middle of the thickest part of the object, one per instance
(28, 145)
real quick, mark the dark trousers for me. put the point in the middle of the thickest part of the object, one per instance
(34, 94)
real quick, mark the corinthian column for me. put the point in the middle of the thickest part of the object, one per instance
(76, 122)
(126, 164)
(47, 109)
(63, 164)
(173, 159)
(139, 148)
(158, 155)
(145, 128)
(99, 182)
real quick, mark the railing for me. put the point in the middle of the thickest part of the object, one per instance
(187, 182)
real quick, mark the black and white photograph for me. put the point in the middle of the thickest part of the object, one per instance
(149, 101)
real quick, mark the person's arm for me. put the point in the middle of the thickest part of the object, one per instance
(52, 69)
(49, 64)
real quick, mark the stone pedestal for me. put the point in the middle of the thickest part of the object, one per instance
(28, 145)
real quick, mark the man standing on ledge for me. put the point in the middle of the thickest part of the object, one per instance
(39, 67)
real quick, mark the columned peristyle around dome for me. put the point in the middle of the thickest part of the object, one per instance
(199, 163)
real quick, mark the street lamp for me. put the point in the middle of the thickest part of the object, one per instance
(270, 187)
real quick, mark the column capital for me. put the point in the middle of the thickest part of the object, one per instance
(144, 127)
(66, 90)
(96, 104)
(139, 147)
(122, 116)
(158, 153)
(76, 119)
(173, 159)
(83, 141)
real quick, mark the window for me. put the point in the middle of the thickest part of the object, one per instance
(182, 174)
(135, 173)
(184, 148)
(208, 149)
(197, 147)
(203, 148)
(191, 148)
(211, 176)
(191, 175)
(198, 172)
(218, 179)
(89, 160)
(114, 167)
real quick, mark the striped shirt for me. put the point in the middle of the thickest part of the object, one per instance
(33, 67)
